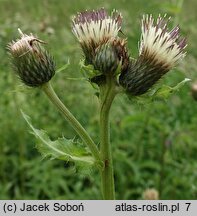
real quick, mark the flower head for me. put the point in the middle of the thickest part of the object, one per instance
(30, 61)
(93, 28)
(160, 50)
(151, 194)
(194, 90)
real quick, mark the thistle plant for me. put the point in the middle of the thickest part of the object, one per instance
(114, 72)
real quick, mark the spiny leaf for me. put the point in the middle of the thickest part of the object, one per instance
(62, 148)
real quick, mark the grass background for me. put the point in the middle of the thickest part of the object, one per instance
(154, 146)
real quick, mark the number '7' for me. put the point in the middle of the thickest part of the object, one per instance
(188, 205)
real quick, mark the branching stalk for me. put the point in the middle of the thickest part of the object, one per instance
(49, 91)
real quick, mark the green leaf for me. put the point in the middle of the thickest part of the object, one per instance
(63, 149)
(64, 67)
(165, 92)
(88, 70)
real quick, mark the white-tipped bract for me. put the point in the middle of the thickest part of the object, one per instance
(157, 43)
(96, 26)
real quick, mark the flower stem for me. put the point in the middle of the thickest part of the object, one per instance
(49, 91)
(107, 94)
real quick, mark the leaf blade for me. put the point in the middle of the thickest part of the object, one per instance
(62, 148)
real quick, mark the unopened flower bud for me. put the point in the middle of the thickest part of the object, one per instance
(31, 62)
(110, 55)
(160, 51)
(194, 90)
(106, 59)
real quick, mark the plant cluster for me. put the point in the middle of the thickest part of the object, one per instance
(110, 68)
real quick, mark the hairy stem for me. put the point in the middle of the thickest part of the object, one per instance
(107, 94)
(47, 88)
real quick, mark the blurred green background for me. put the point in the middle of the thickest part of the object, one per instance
(154, 146)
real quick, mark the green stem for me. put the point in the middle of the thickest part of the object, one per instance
(47, 88)
(107, 94)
